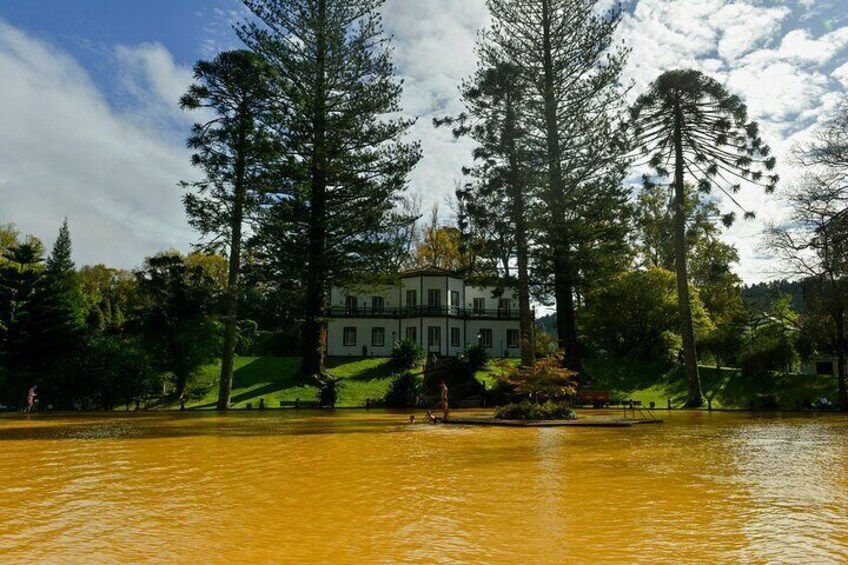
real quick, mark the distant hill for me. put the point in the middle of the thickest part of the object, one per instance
(762, 295)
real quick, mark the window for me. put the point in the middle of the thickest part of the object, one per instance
(434, 336)
(479, 305)
(411, 298)
(434, 297)
(349, 337)
(485, 338)
(512, 338)
(503, 307)
(412, 334)
(378, 337)
(351, 305)
(454, 298)
(454, 337)
(377, 304)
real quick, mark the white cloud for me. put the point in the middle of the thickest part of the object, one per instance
(65, 152)
(112, 169)
(784, 77)
(433, 50)
(154, 82)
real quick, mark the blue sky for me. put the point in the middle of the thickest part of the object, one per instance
(92, 131)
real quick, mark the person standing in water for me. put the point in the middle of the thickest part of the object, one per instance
(445, 409)
(30, 399)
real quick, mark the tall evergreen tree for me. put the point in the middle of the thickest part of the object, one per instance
(20, 274)
(236, 152)
(334, 90)
(500, 194)
(563, 50)
(692, 122)
(51, 331)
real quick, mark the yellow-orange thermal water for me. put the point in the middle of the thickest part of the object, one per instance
(359, 487)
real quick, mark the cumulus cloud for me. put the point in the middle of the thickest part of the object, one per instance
(64, 152)
(785, 70)
(112, 168)
(433, 51)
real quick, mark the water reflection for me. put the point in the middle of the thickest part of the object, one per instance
(358, 487)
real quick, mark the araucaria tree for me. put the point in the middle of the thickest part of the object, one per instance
(335, 94)
(237, 154)
(500, 192)
(564, 53)
(689, 127)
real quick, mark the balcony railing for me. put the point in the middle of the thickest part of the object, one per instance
(422, 311)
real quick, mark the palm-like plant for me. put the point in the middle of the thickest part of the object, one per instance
(689, 126)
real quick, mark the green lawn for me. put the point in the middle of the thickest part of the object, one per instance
(727, 388)
(276, 379)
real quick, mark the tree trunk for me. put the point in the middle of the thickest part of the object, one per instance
(695, 397)
(525, 316)
(563, 283)
(225, 382)
(316, 278)
(840, 360)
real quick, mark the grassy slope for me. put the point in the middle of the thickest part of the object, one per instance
(275, 379)
(727, 388)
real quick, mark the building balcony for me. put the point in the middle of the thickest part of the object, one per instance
(396, 312)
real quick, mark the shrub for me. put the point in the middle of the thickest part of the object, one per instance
(404, 391)
(406, 354)
(329, 388)
(545, 378)
(475, 358)
(107, 371)
(530, 411)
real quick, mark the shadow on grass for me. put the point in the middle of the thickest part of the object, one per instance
(360, 368)
(625, 375)
(263, 376)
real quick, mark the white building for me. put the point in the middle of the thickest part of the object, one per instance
(431, 306)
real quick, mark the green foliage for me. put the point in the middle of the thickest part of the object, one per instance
(177, 305)
(108, 371)
(545, 379)
(329, 388)
(337, 110)
(635, 315)
(41, 318)
(531, 411)
(235, 150)
(770, 343)
(107, 294)
(475, 358)
(404, 391)
(21, 275)
(406, 354)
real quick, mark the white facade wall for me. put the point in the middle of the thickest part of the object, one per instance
(444, 319)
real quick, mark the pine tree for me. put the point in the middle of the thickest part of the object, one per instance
(563, 50)
(334, 90)
(20, 274)
(501, 192)
(57, 319)
(692, 122)
(236, 152)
